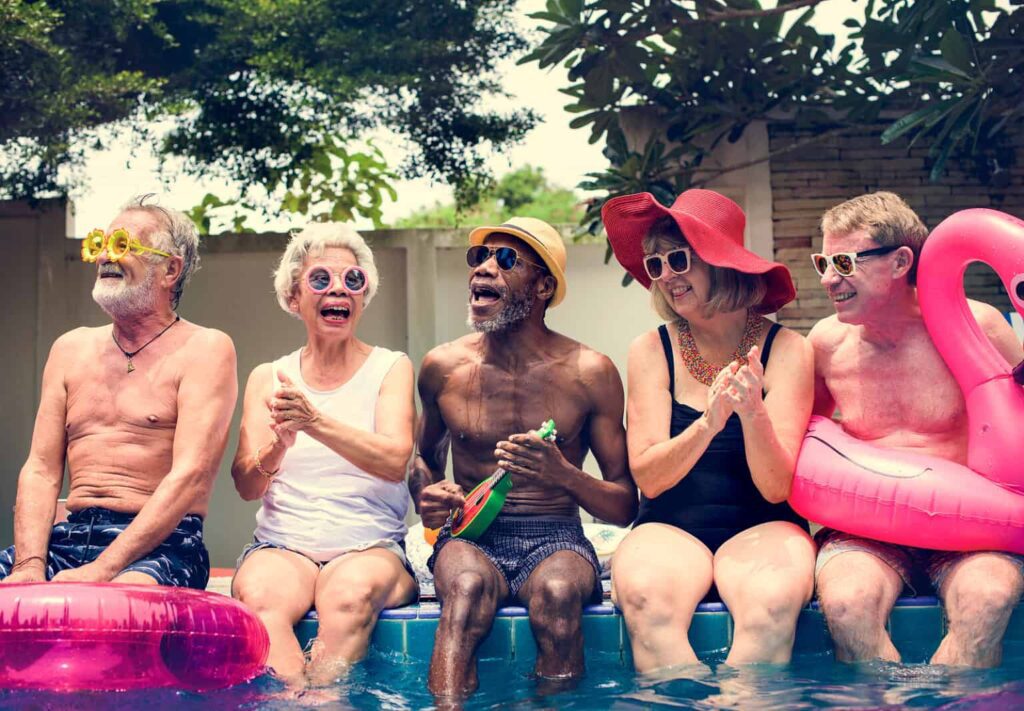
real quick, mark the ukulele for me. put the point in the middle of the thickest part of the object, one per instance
(486, 499)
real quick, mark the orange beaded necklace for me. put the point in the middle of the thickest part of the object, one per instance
(700, 369)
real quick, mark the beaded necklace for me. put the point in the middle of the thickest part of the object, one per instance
(700, 369)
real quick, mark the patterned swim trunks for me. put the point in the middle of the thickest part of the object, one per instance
(181, 560)
(516, 545)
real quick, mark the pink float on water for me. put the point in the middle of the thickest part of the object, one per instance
(846, 484)
(84, 636)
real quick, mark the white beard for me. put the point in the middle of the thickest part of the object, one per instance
(508, 319)
(121, 300)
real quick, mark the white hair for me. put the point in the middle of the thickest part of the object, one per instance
(176, 234)
(311, 242)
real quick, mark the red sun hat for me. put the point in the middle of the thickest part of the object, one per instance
(712, 225)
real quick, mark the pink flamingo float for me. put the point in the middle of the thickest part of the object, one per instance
(846, 484)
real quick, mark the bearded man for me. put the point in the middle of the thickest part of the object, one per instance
(138, 411)
(481, 395)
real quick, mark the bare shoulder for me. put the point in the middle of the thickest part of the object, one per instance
(261, 376)
(790, 343)
(208, 345)
(441, 361)
(987, 316)
(76, 339)
(827, 334)
(645, 345)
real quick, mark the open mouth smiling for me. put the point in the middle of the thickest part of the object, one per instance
(337, 313)
(484, 295)
(111, 271)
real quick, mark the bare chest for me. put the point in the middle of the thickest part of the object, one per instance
(482, 405)
(885, 392)
(103, 397)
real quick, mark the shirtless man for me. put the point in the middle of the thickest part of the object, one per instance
(139, 411)
(875, 361)
(482, 395)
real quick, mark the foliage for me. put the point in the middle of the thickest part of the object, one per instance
(525, 192)
(949, 69)
(261, 93)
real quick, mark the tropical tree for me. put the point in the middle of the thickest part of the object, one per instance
(269, 94)
(525, 192)
(701, 71)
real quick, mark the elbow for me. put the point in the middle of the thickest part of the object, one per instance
(395, 466)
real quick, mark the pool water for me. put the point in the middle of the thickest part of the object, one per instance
(810, 681)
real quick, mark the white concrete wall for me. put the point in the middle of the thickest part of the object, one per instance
(422, 302)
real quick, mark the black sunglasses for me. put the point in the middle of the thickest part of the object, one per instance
(506, 257)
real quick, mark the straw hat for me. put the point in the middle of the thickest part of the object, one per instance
(542, 237)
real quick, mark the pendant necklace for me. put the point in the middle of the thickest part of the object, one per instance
(132, 354)
(705, 372)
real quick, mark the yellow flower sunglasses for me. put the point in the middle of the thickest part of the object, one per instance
(118, 243)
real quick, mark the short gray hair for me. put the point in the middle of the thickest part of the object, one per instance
(176, 234)
(311, 242)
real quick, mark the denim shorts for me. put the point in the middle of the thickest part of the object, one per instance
(922, 571)
(180, 561)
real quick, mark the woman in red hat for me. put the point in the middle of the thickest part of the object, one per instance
(719, 399)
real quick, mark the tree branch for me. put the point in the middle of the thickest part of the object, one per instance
(727, 15)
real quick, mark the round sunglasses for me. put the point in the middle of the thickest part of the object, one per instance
(678, 261)
(845, 263)
(506, 257)
(320, 278)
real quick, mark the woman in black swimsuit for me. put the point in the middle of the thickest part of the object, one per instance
(719, 400)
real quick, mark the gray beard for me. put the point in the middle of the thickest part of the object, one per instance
(508, 319)
(125, 301)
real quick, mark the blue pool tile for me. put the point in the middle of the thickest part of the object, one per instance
(603, 634)
(710, 632)
(399, 613)
(498, 644)
(1015, 631)
(389, 637)
(524, 647)
(512, 611)
(811, 633)
(305, 631)
(916, 632)
(419, 639)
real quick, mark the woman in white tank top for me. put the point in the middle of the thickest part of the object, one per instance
(327, 431)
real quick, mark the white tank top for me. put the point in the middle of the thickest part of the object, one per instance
(319, 503)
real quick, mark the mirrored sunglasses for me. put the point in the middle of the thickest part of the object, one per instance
(320, 279)
(845, 263)
(678, 261)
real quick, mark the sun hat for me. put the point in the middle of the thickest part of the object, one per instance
(712, 225)
(542, 237)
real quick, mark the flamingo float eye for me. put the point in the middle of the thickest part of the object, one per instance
(1020, 290)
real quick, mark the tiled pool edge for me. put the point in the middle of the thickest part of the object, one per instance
(407, 634)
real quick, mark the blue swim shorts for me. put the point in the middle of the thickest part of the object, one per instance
(516, 545)
(181, 560)
(922, 571)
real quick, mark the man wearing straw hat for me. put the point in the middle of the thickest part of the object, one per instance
(481, 396)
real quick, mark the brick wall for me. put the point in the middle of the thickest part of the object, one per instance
(809, 180)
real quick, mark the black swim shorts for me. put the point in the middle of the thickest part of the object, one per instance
(181, 560)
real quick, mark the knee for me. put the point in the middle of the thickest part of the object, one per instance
(645, 596)
(353, 605)
(772, 608)
(464, 600)
(853, 606)
(980, 599)
(261, 599)
(555, 609)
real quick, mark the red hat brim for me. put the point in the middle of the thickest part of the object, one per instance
(627, 220)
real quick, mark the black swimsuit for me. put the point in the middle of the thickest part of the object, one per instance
(717, 499)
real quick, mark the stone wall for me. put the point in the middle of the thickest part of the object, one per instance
(807, 181)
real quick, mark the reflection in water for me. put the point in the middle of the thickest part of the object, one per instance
(811, 681)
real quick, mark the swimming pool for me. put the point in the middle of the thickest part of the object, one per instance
(394, 675)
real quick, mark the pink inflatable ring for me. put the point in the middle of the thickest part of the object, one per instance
(927, 502)
(84, 636)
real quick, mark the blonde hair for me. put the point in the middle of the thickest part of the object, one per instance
(886, 217)
(728, 289)
(311, 242)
